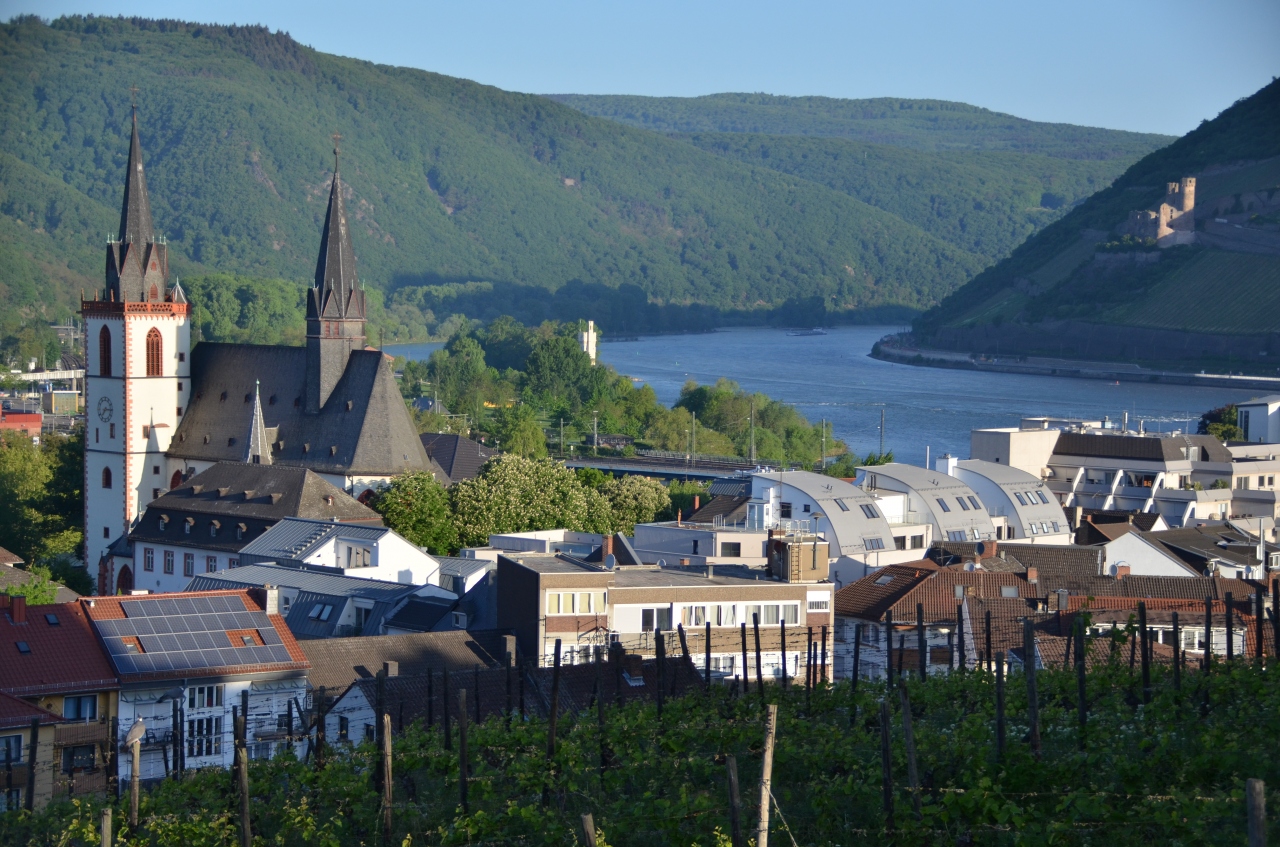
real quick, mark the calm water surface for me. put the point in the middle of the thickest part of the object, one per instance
(832, 377)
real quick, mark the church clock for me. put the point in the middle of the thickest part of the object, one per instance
(104, 409)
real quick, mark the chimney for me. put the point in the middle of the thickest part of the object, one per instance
(946, 464)
(606, 546)
(268, 597)
(18, 609)
(1122, 571)
(1061, 599)
(697, 503)
(679, 516)
(684, 563)
(711, 570)
(390, 668)
(4, 601)
(509, 646)
(1033, 575)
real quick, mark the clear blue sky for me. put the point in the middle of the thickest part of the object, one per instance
(1125, 64)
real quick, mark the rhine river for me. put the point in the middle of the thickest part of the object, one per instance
(831, 376)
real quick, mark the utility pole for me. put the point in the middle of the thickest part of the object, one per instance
(562, 438)
(824, 444)
(693, 437)
(595, 433)
(766, 777)
(882, 434)
(753, 429)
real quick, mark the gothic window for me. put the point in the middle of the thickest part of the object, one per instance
(155, 292)
(155, 347)
(104, 352)
(106, 477)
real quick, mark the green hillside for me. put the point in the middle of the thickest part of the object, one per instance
(919, 124)
(464, 197)
(984, 202)
(1193, 288)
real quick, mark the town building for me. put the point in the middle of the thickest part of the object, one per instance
(21, 726)
(27, 423)
(456, 456)
(160, 411)
(369, 552)
(52, 663)
(932, 496)
(588, 607)
(201, 525)
(196, 655)
(1030, 512)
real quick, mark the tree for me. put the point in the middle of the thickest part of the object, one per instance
(633, 500)
(558, 369)
(515, 494)
(39, 589)
(417, 506)
(519, 432)
(1222, 423)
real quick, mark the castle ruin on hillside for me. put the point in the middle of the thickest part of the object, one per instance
(1172, 221)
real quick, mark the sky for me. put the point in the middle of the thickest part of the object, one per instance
(1123, 64)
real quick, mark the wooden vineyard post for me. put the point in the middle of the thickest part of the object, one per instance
(735, 803)
(686, 661)
(462, 750)
(766, 777)
(431, 698)
(319, 717)
(1208, 632)
(475, 693)
(782, 645)
(857, 671)
(242, 755)
(105, 834)
(755, 626)
(808, 678)
(886, 765)
(589, 830)
(1255, 798)
(1082, 706)
(1275, 616)
(1033, 701)
(706, 659)
(552, 715)
(1177, 654)
(822, 665)
(510, 704)
(617, 654)
(888, 647)
(604, 750)
(1231, 641)
(30, 800)
(660, 645)
(989, 654)
(1145, 641)
(744, 681)
(960, 637)
(921, 644)
(445, 710)
(1000, 706)
(909, 737)
(386, 779)
(135, 784)
(1259, 615)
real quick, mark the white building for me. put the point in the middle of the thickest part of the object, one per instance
(1260, 419)
(1030, 511)
(371, 552)
(944, 502)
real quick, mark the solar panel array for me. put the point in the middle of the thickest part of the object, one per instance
(189, 634)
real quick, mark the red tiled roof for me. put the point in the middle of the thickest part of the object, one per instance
(62, 658)
(7, 558)
(869, 598)
(937, 593)
(18, 713)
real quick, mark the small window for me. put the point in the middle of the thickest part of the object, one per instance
(784, 510)
(957, 535)
(964, 507)
(899, 542)
(326, 612)
(1035, 530)
(210, 564)
(1021, 500)
(959, 592)
(917, 542)
(80, 708)
(819, 605)
(1009, 591)
(51, 619)
(106, 477)
(168, 561)
(23, 647)
(1043, 499)
(806, 508)
(10, 748)
(973, 501)
(131, 645)
(943, 504)
(148, 559)
(842, 506)
(873, 543)
(884, 579)
(246, 641)
(1056, 527)
(344, 729)
(730, 549)
(869, 510)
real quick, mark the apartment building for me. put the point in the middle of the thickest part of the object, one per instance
(370, 552)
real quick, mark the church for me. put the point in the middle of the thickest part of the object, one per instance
(159, 411)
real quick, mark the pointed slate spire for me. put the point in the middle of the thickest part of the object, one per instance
(336, 266)
(135, 214)
(257, 451)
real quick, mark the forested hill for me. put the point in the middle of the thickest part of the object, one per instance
(1225, 284)
(464, 197)
(918, 124)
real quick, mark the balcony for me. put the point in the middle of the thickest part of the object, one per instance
(70, 734)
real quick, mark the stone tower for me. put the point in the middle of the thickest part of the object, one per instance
(335, 303)
(137, 340)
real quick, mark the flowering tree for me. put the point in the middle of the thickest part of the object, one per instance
(515, 494)
(633, 500)
(417, 507)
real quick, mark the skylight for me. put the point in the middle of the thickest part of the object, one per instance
(23, 647)
(885, 580)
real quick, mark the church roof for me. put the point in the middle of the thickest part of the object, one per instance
(364, 427)
(336, 293)
(135, 213)
(458, 456)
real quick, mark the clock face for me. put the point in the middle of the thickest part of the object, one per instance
(104, 409)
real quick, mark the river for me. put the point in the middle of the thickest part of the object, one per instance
(831, 376)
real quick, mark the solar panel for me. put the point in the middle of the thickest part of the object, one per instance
(201, 605)
(280, 653)
(204, 640)
(141, 663)
(269, 635)
(151, 644)
(186, 640)
(180, 661)
(209, 623)
(134, 609)
(160, 625)
(141, 626)
(115, 646)
(125, 664)
(168, 643)
(161, 663)
(108, 628)
(168, 606)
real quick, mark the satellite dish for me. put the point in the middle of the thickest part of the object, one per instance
(136, 732)
(662, 563)
(611, 561)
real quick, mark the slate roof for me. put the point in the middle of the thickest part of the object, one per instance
(338, 662)
(363, 428)
(12, 577)
(1141, 447)
(420, 614)
(293, 539)
(458, 456)
(64, 657)
(730, 510)
(731, 486)
(624, 553)
(135, 211)
(192, 635)
(1198, 545)
(1142, 520)
(257, 496)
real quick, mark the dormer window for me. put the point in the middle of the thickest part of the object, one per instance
(186, 527)
(164, 522)
(240, 530)
(213, 528)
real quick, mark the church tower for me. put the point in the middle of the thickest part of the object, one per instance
(335, 304)
(137, 339)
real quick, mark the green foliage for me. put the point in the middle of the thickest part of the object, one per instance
(1171, 771)
(518, 432)
(1248, 130)
(514, 494)
(781, 433)
(847, 464)
(682, 493)
(936, 125)
(633, 500)
(39, 590)
(227, 307)
(1223, 423)
(41, 506)
(417, 506)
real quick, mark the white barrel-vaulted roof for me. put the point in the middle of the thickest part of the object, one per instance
(955, 510)
(851, 521)
(1030, 507)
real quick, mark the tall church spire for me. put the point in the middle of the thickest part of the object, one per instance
(135, 214)
(256, 450)
(335, 304)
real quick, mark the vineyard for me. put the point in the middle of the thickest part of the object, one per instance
(927, 762)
